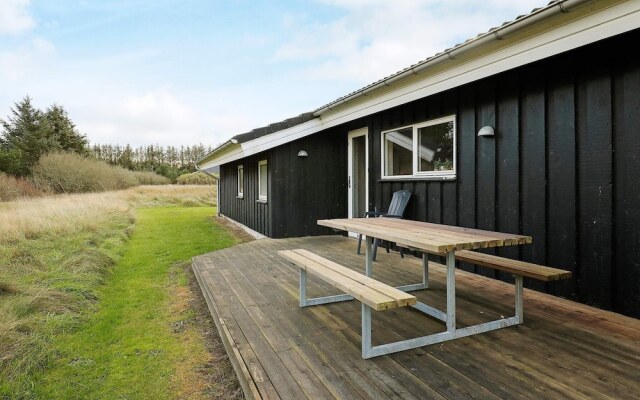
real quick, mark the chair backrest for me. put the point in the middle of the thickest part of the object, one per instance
(399, 202)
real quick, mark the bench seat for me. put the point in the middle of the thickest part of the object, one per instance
(374, 294)
(515, 267)
(379, 296)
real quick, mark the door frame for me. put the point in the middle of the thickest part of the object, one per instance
(350, 177)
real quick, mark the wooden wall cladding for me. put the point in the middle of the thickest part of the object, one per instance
(563, 167)
(246, 210)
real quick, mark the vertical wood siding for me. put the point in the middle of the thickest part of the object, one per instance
(246, 210)
(564, 167)
(311, 188)
(301, 190)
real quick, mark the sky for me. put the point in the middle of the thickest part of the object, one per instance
(194, 71)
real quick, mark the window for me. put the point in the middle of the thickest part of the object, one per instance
(420, 151)
(240, 181)
(262, 180)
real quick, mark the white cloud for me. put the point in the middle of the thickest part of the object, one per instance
(375, 38)
(157, 116)
(33, 57)
(122, 95)
(15, 17)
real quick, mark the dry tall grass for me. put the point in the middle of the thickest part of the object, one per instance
(54, 252)
(61, 214)
(179, 195)
(196, 178)
(13, 188)
(150, 178)
(72, 173)
(65, 214)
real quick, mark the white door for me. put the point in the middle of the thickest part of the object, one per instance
(358, 173)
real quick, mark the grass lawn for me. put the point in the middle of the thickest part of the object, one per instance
(97, 298)
(138, 344)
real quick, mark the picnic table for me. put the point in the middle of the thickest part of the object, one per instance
(443, 240)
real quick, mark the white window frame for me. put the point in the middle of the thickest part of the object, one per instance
(262, 197)
(420, 174)
(240, 183)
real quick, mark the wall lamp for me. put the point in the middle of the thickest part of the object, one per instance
(302, 154)
(486, 131)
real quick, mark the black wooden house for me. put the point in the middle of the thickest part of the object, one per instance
(531, 128)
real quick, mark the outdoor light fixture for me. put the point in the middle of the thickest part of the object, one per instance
(486, 131)
(302, 154)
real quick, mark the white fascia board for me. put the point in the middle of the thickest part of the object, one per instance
(563, 33)
(590, 28)
(265, 143)
(209, 169)
(210, 161)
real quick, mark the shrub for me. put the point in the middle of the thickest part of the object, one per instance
(72, 173)
(150, 178)
(13, 188)
(196, 178)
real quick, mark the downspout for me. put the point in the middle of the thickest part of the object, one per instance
(562, 6)
(217, 189)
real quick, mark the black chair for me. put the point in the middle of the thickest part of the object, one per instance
(398, 204)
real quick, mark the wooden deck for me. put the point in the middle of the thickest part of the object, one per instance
(564, 349)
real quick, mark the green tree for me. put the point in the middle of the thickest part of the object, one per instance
(63, 131)
(24, 118)
(24, 137)
(28, 133)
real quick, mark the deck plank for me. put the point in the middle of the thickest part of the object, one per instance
(249, 357)
(563, 350)
(349, 356)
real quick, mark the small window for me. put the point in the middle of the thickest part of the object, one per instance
(240, 181)
(420, 151)
(262, 180)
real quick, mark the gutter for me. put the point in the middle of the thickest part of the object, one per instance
(562, 6)
(217, 178)
(218, 149)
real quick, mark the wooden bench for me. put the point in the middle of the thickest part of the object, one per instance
(375, 294)
(518, 268)
(371, 293)
(515, 267)
(379, 296)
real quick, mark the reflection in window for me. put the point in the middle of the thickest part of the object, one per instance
(422, 150)
(435, 149)
(399, 152)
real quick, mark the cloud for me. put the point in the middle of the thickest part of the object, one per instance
(15, 17)
(375, 38)
(157, 116)
(149, 91)
(26, 61)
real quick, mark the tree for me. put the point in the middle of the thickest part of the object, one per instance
(63, 131)
(24, 138)
(28, 133)
(24, 119)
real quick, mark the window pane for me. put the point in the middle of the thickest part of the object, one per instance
(240, 181)
(399, 152)
(436, 147)
(263, 181)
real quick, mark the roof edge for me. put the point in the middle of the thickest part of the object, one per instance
(499, 33)
(217, 150)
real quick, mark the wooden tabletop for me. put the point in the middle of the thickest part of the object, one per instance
(424, 236)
